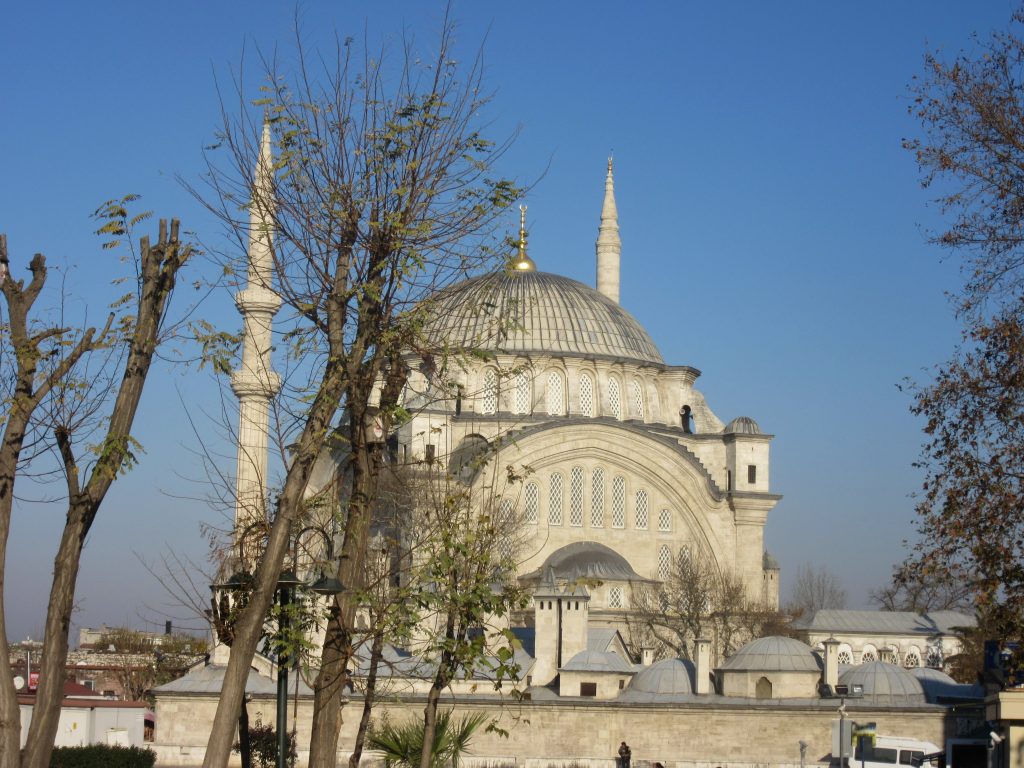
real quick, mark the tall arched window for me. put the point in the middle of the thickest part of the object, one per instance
(555, 500)
(555, 392)
(506, 513)
(664, 562)
(665, 520)
(586, 395)
(614, 398)
(522, 392)
(531, 497)
(489, 393)
(638, 400)
(641, 509)
(576, 497)
(619, 502)
(597, 498)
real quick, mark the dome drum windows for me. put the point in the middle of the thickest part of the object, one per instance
(615, 597)
(586, 395)
(614, 399)
(489, 392)
(555, 394)
(521, 394)
(638, 400)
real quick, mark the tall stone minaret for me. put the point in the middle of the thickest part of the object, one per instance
(608, 244)
(255, 383)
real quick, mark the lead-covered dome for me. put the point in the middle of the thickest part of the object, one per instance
(774, 654)
(537, 312)
(885, 683)
(667, 677)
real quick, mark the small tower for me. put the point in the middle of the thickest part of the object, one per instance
(609, 247)
(547, 598)
(255, 383)
(575, 615)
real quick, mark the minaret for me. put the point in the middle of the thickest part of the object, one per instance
(255, 383)
(608, 244)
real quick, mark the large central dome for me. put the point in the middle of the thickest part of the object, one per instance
(537, 312)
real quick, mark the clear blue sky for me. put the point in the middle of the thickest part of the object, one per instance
(772, 226)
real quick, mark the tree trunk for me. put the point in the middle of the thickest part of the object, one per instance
(376, 652)
(244, 748)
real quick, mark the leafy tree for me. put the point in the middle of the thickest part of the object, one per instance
(972, 150)
(70, 387)
(262, 744)
(381, 193)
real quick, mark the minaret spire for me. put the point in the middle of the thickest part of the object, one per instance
(609, 247)
(255, 383)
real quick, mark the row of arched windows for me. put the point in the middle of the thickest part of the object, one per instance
(571, 506)
(620, 404)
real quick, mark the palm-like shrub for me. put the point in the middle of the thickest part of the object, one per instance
(402, 745)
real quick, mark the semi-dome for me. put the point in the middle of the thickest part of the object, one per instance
(537, 312)
(742, 425)
(667, 677)
(885, 683)
(586, 560)
(774, 654)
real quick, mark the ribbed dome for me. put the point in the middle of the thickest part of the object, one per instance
(537, 312)
(668, 676)
(742, 425)
(885, 683)
(774, 654)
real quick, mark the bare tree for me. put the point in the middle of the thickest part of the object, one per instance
(697, 601)
(380, 192)
(920, 588)
(56, 402)
(814, 589)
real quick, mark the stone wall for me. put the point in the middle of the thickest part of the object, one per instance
(555, 734)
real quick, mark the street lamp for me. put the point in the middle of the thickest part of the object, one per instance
(287, 585)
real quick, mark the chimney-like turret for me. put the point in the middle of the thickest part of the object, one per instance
(703, 667)
(830, 661)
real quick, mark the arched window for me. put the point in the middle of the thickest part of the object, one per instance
(506, 513)
(555, 500)
(614, 398)
(638, 400)
(489, 393)
(619, 502)
(844, 657)
(664, 562)
(912, 658)
(615, 597)
(576, 497)
(641, 509)
(665, 520)
(586, 395)
(522, 392)
(531, 496)
(868, 655)
(597, 498)
(555, 394)
(935, 657)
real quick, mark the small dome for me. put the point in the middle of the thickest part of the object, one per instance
(774, 654)
(586, 560)
(937, 683)
(597, 661)
(768, 562)
(669, 676)
(742, 425)
(885, 683)
(537, 312)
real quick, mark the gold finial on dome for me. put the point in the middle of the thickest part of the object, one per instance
(523, 263)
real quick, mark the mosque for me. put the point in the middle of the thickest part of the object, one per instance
(628, 468)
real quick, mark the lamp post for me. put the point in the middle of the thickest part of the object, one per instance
(287, 584)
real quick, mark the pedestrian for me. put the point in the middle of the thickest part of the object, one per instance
(625, 755)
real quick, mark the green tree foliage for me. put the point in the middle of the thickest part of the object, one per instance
(403, 744)
(263, 745)
(102, 756)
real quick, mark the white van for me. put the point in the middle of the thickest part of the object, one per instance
(895, 750)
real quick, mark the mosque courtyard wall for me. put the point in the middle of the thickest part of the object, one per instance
(558, 733)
